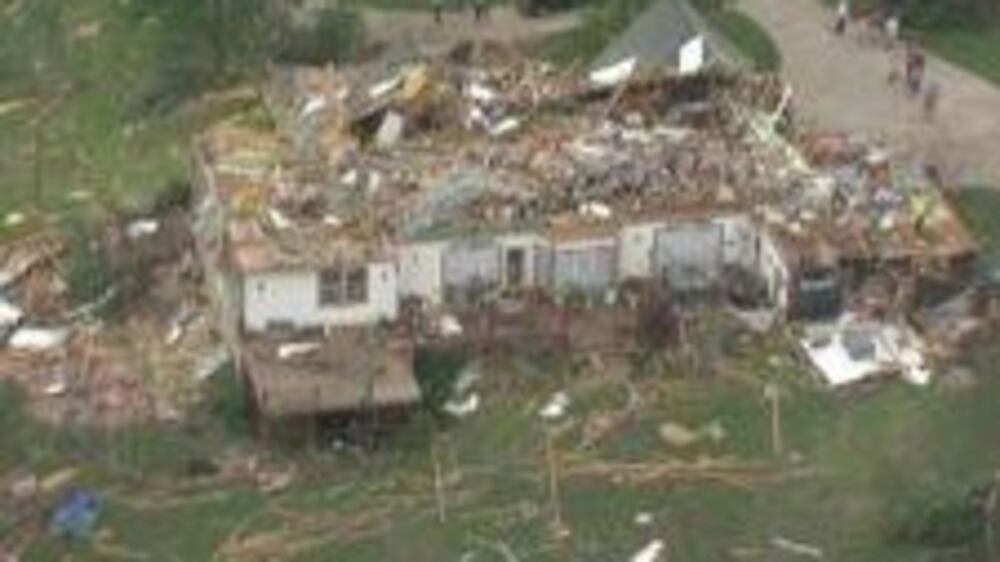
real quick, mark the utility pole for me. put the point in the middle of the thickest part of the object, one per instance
(439, 493)
(989, 511)
(558, 526)
(773, 395)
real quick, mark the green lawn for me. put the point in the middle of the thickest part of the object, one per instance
(418, 4)
(976, 50)
(745, 34)
(602, 23)
(864, 460)
(980, 207)
(73, 80)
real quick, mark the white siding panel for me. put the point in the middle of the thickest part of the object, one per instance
(775, 271)
(689, 254)
(635, 260)
(471, 263)
(420, 272)
(740, 243)
(590, 266)
(292, 298)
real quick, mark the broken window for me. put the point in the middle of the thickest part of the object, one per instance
(339, 287)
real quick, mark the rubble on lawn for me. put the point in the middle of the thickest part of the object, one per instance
(140, 366)
(852, 350)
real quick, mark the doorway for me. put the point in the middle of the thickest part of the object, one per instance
(515, 268)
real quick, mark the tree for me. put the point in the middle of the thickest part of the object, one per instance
(202, 44)
(945, 13)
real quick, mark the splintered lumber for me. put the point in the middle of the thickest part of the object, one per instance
(734, 472)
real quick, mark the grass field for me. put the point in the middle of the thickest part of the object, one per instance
(856, 464)
(743, 33)
(73, 79)
(606, 20)
(602, 23)
(976, 50)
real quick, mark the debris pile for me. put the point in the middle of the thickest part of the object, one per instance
(366, 163)
(76, 367)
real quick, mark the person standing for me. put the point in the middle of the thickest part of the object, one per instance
(892, 30)
(438, 7)
(843, 13)
(932, 96)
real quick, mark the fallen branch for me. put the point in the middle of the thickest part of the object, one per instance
(738, 473)
(500, 547)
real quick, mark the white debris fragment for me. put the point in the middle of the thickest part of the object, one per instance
(333, 221)
(797, 548)
(288, 350)
(449, 326)
(614, 74)
(175, 333)
(57, 388)
(914, 366)
(643, 518)
(463, 408)
(14, 219)
(385, 87)
(39, 339)
(142, 228)
(278, 219)
(374, 183)
(79, 195)
(556, 407)
(211, 364)
(650, 553)
(854, 350)
(10, 315)
(479, 92)
(595, 210)
(350, 177)
(476, 119)
(691, 58)
(313, 105)
(505, 126)
(391, 130)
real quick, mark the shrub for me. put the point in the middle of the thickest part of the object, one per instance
(437, 369)
(337, 36)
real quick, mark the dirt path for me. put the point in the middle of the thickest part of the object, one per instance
(418, 29)
(842, 85)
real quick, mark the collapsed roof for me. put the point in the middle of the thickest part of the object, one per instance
(359, 162)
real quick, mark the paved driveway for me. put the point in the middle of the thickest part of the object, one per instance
(842, 85)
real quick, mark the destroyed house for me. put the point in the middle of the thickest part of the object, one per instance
(451, 184)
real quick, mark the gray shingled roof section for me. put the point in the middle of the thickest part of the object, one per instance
(657, 35)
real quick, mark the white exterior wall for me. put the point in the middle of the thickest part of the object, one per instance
(420, 272)
(739, 245)
(587, 264)
(292, 297)
(635, 254)
(775, 271)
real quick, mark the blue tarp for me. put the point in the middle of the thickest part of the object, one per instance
(76, 515)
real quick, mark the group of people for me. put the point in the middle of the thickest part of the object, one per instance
(883, 27)
(480, 9)
(911, 69)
